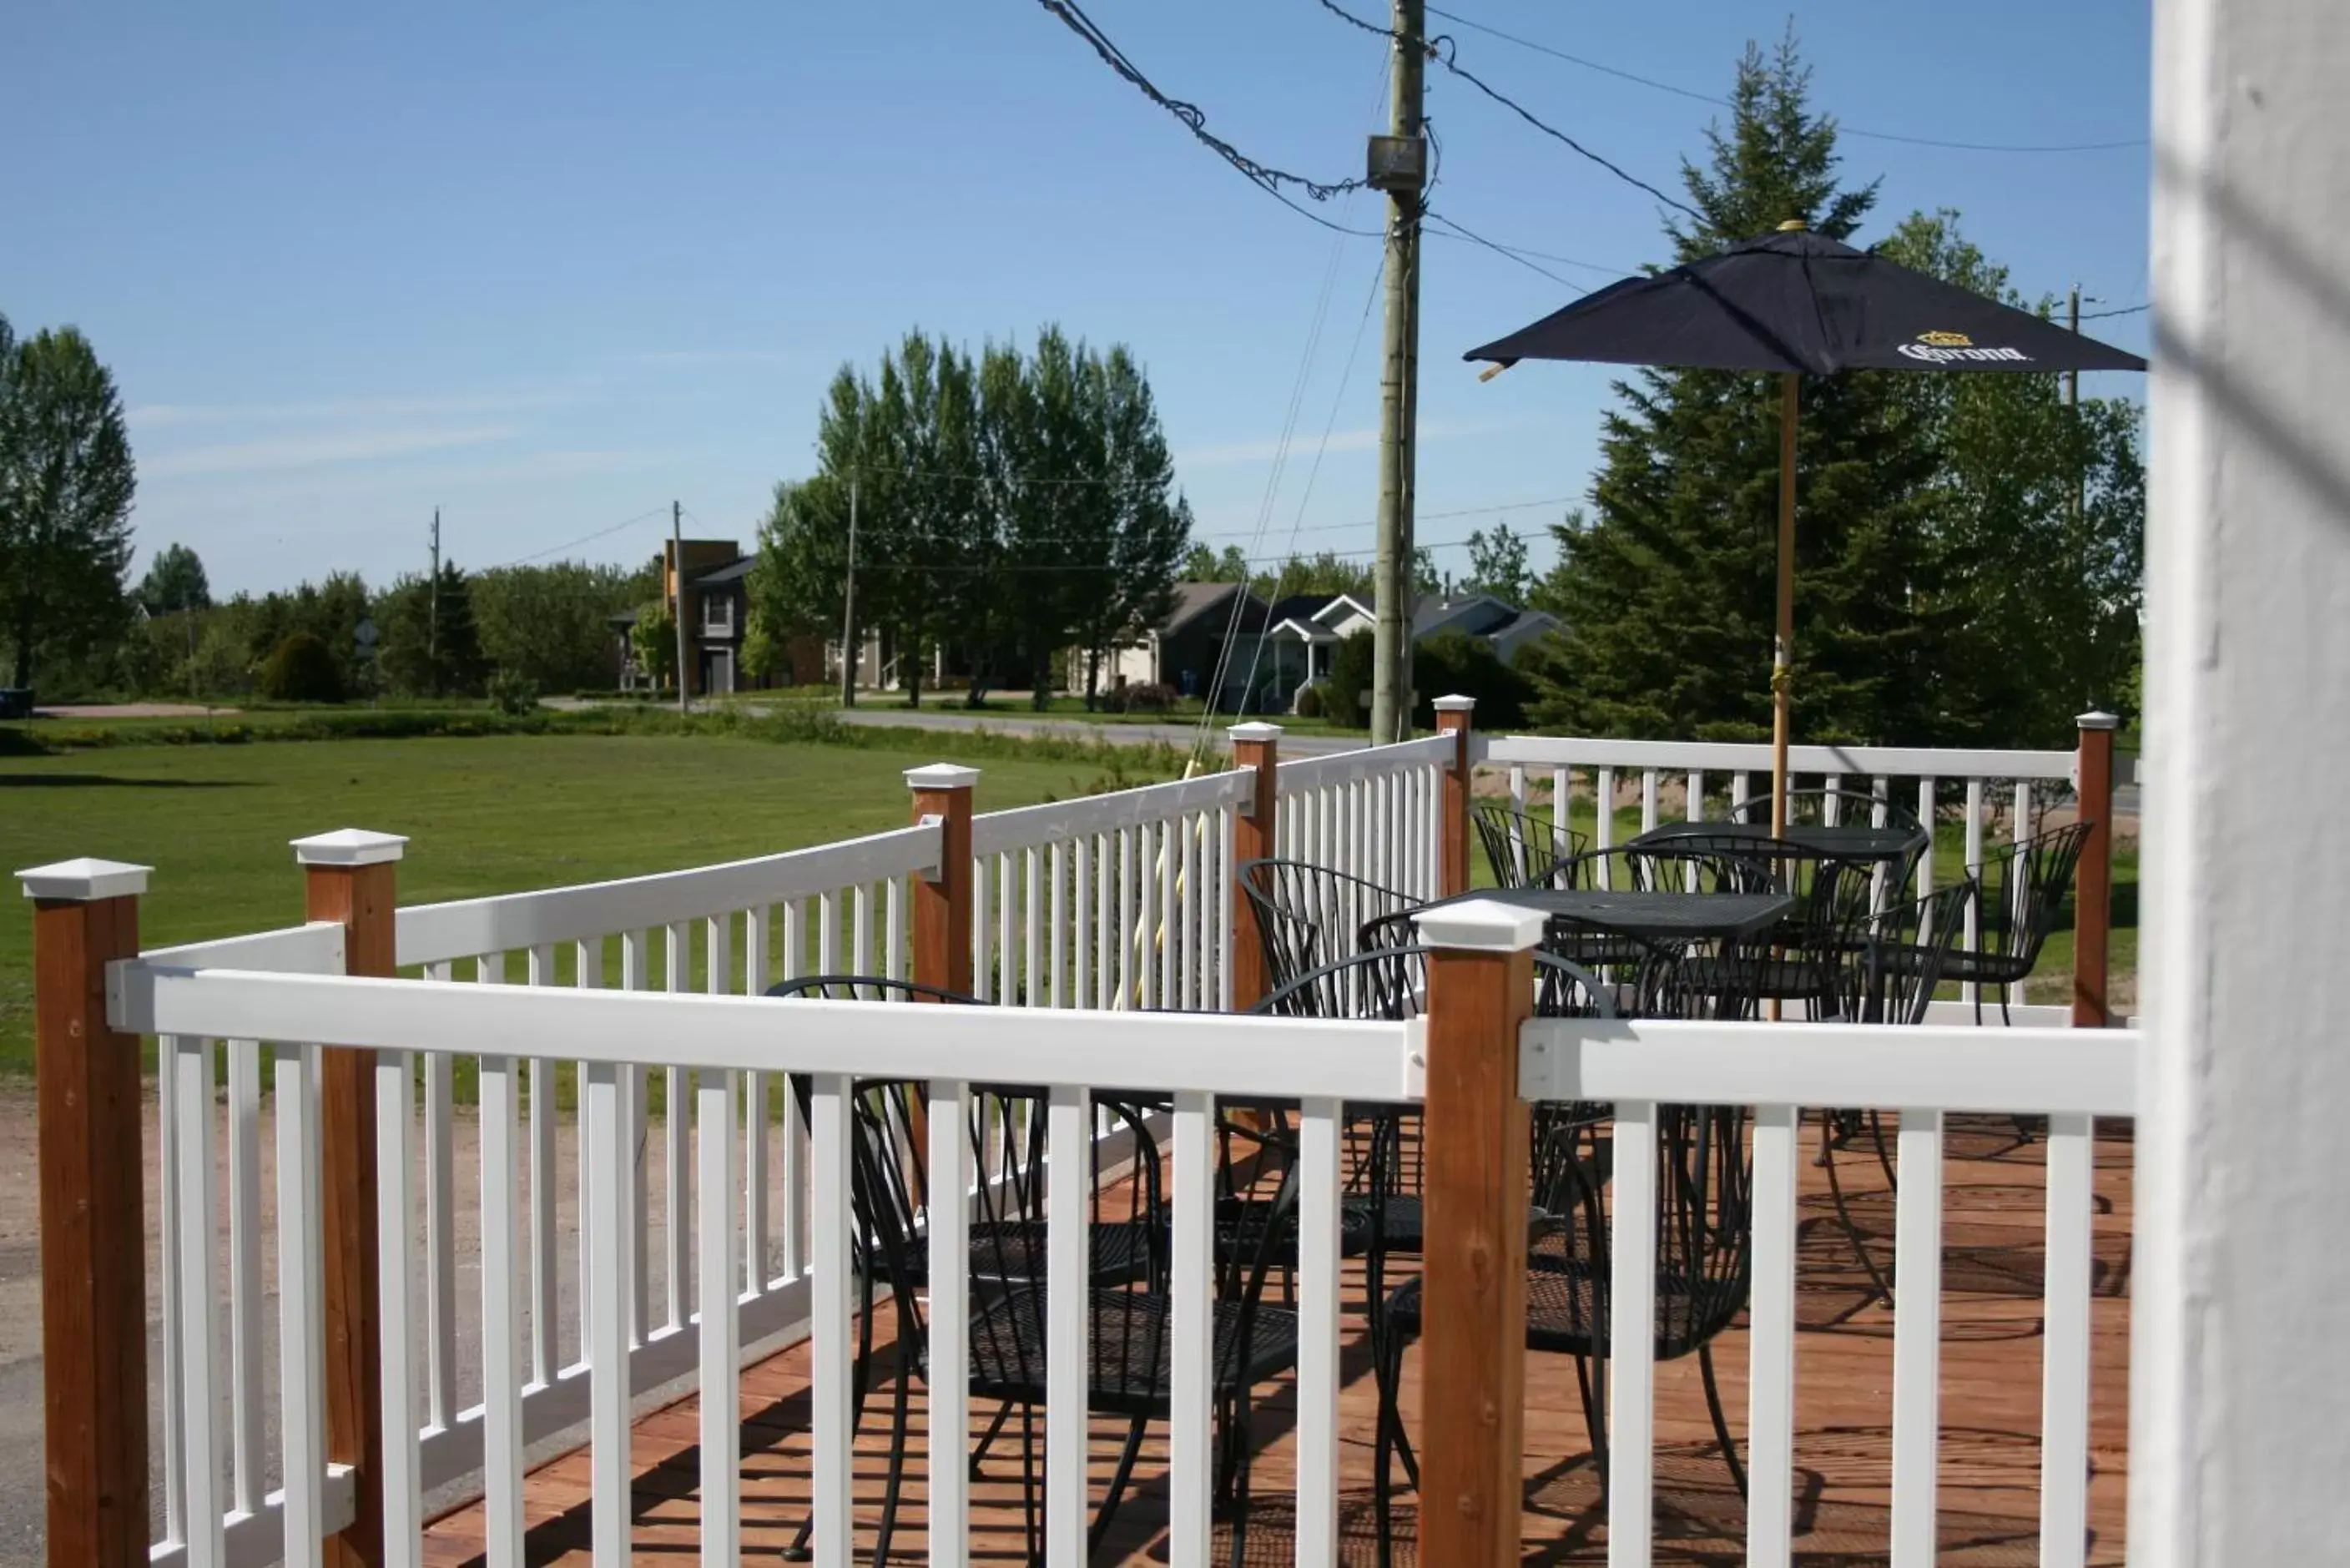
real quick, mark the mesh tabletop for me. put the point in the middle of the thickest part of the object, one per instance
(1653, 916)
(1849, 842)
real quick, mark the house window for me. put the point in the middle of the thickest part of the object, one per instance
(717, 616)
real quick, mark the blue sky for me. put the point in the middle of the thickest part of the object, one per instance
(548, 267)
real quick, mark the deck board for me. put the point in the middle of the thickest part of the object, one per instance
(1991, 1413)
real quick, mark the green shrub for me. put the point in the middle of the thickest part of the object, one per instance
(1308, 704)
(512, 691)
(301, 669)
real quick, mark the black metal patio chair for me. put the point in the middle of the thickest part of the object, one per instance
(2019, 899)
(1799, 961)
(1890, 976)
(1525, 850)
(1007, 1231)
(1309, 916)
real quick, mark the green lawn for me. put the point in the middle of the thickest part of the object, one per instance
(483, 815)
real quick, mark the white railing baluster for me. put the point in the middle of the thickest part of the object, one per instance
(981, 924)
(1631, 1338)
(827, 931)
(246, 1405)
(949, 1312)
(440, 1232)
(720, 1350)
(174, 1209)
(1318, 1333)
(1184, 914)
(502, 1441)
(1603, 790)
(1740, 789)
(1085, 929)
(2065, 1343)
(1166, 931)
(1649, 779)
(545, 1288)
(757, 926)
(1831, 804)
(1058, 914)
(588, 974)
(1917, 1338)
(604, 1128)
(199, 1322)
(1971, 991)
(395, 1225)
(1067, 1337)
(1191, 1417)
(677, 1203)
(893, 928)
(2018, 890)
(301, 1353)
(1127, 873)
(1926, 820)
(636, 1204)
(1032, 932)
(1770, 1342)
(831, 1308)
(1007, 928)
(861, 929)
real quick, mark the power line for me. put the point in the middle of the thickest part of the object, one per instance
(2124, 310)
(1621, 74)
(1443, 57)
(1193, 118)
(1509, 252)
(583, 539)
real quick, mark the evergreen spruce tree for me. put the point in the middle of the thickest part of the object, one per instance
(1667, 587)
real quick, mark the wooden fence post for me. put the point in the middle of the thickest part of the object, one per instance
(943, 900)
(93, 1220)
(1258, 746)
(1474, 1176)
(2093, 878)
(1452, 718)
(351, 876)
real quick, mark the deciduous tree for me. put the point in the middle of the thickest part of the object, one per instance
(66, 486)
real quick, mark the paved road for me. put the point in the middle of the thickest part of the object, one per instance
(1174, 733)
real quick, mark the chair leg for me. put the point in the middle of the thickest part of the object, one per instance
(895, 1484)
(1032, 1526)
(1721, 1422)
(1003, 1414)
(1117, 1483)
(1883, 1287)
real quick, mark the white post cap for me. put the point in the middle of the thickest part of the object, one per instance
(1456, 704)
(942, 776)
(1479, 925)
(2099, 719)
(1254, 730)
(350, 846)
(85, 881)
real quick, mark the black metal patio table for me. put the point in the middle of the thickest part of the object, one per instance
(1850, 843)
(1652, 917)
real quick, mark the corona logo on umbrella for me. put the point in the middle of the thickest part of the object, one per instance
(1941, 348)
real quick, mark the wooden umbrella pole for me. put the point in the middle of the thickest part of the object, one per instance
(1782, 649)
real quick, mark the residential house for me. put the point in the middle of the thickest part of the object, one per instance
(1279, 649)
(717, 612)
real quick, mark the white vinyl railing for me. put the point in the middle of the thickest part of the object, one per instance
(1913, 776)
(2070, 1076)
(1116, 902)
(721, 1040)
(1374, 814)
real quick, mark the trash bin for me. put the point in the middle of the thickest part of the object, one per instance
(15, 702)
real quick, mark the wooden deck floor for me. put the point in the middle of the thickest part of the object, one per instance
(1991, 1417)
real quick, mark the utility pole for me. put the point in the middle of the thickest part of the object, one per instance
(2072, 407)
(432, 609)
(849, 609)
(676, 580)
(1399, 167)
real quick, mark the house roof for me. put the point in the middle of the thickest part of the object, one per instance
(1193, 600)
(734, 571)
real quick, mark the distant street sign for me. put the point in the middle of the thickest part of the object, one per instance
(365, 636)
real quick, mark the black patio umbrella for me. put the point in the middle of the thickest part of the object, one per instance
(1798, 303)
